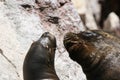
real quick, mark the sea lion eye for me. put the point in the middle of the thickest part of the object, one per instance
(89, 35)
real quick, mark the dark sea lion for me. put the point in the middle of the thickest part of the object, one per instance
(39, 61)
(97, 52)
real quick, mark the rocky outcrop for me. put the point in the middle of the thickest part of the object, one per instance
(89, 11)
(112, 24)
(108, 6)
(22, 22)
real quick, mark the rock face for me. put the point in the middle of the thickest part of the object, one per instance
(112, 24)
(108, 6)
(89, 11)
(22, 22)
(97, 52)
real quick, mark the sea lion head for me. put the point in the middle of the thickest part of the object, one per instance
(88, 47)
(48, 40)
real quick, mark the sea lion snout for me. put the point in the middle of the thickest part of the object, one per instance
(71, 39)
(70, 36)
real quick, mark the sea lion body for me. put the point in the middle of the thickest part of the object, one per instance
(39, 61)
(97, 52)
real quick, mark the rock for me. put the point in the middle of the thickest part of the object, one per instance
(112, 24)
(22, 22)
(80, 5)
(89, 12)
(7, 70)
(94, 7)
(108, 6)
(90, 21)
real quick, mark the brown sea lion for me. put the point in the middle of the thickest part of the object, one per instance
(97, 52)
(39, 61)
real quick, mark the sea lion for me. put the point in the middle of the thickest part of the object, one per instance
(39, 61)
(98, 53)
